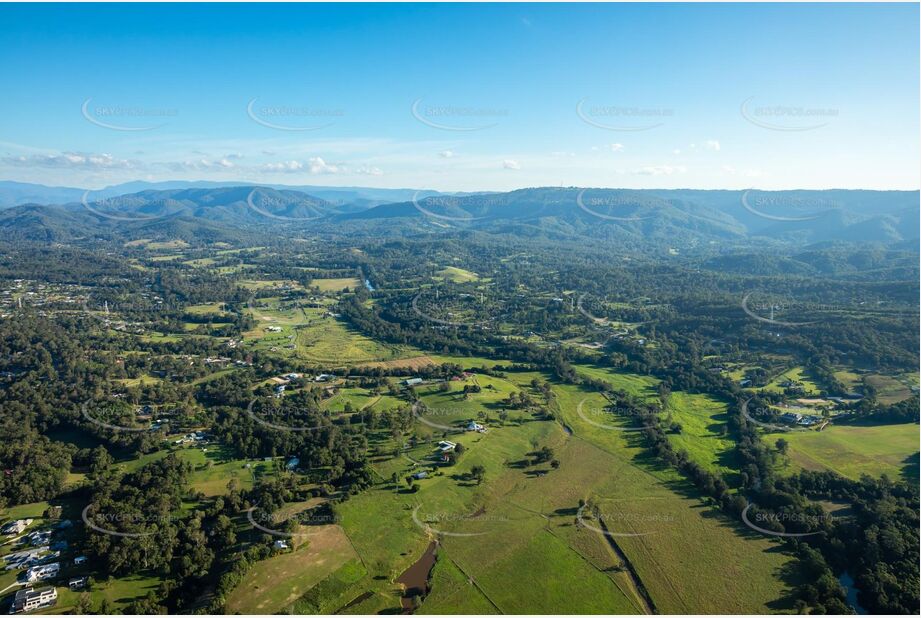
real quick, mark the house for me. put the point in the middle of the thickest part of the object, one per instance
(16, 527)
(791, 417)
(446, 446)
(323, 377)
(280, 544)
(77, 583)
(475, 426)
(420, 475)
(79, 559)
(39, 538)
(279, 390)
(745, 382)
(27, 599)
(44, 571)
(412, 381)
(292, 376)
(292, 463)
(274, 329)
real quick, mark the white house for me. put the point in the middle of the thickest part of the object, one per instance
(475, 426)
(446, 446)
(27, 600)
(16, 527)
(43, 571)
(280, 544)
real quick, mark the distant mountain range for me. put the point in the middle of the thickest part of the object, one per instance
(679, 218)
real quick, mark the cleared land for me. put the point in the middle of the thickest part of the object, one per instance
(853, 450)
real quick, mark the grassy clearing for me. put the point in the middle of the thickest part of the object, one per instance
(687, 551)
(120, 592)
(852, 450)
(457, 275)
(795, 374)
(643, 387)
(281, 580)
(335, 285)
(703, 421)
(892, 389)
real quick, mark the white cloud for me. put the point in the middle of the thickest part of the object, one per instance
(676, 151)
(72, 160)
(712, 144)
(446, 154)
(511, 164)
(283, 166)
(369, 171)
(318, 166)
(616, 147)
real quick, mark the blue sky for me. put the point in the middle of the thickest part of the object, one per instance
(463, 97)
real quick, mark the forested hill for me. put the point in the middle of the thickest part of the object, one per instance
(679, 218)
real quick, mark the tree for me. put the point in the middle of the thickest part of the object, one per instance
(84, 604)
(782, 446)
(478, 472)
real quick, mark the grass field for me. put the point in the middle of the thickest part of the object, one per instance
(703, 421)
(686, 551)
(281, 580)
(335, 285)
(891, 389)
(524, 525)
(852, 450)
(457, 275)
